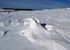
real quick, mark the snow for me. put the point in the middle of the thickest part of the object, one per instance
(49, 27)
(35, 30)
(1, 33)
(1, 24)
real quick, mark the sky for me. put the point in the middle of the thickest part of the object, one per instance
(35, 4)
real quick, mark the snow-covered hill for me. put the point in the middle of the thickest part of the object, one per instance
(35, 30)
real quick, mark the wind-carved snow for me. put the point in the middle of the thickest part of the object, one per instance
(42, 36)
(51, 32)
(38, 33)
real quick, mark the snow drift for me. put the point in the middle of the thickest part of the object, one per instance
(42, 35)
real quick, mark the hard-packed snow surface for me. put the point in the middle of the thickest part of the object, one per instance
(35, 30)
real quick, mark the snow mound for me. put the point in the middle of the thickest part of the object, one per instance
(42, 35)
(35, 32)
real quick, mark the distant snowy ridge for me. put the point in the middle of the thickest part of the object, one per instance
(57, 9)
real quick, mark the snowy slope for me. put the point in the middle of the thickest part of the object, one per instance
(35, 30)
